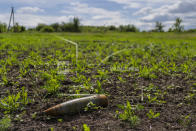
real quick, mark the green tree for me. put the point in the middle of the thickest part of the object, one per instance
(128, 28)
(3, 27)
(76, 24)
(40, 26)
(170, 30)
(47, 29)
(23, 28)
(16, 28)
(56, 27)
(112, 28)
(177, 27)
(131, 28)
(73, 26)
(159, 27)
(121, 28)
(66, 27)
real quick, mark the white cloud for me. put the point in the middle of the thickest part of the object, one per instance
(4, 17)
(85, 9)
(89, 15)
(38, 2)
(142, 3)
(158, 17)
(184, 7)
(168, 13)
(128, 3)
(95, 16)
(31, 20)
(144, 11)
(132, 5)
(30, 16)
(28, 10)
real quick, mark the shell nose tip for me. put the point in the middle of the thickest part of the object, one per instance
(104, 101)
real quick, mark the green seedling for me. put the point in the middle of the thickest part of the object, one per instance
(78, 78)
(11, 102)
(51, 128)
(152, 99)
(52, 86)
(4, 79)
(190, 97)
(185, 121)
(24, 96)
(121, 79)
(152, 115)
(102, 74)
(86, 127)
(99, 89)
(91, 106)
(14, 102)
(60, 120)
(146, 72)
(128, 115)
(34, 115)
(5, 123)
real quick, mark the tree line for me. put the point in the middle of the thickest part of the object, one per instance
(176, 27)
(75, 26)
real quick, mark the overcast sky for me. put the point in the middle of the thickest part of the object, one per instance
(142, 13)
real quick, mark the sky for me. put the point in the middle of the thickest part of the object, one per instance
(142, 13)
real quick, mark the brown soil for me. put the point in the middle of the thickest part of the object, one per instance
(171, 112)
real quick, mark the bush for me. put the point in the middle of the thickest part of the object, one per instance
(66, 27)
(5, 123)
(128, 28)
(47, 29)
(40, 26)
(112, 28)
(3, 27)
(177, 27)
(158, 27)
(31, 29)
(170, 30)
(18, 28)
(73, 26)
(56, 27)
(191, 30)
(131, 28)
(76, 24)
(23, 28)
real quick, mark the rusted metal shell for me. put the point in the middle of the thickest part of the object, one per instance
(77, 105)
